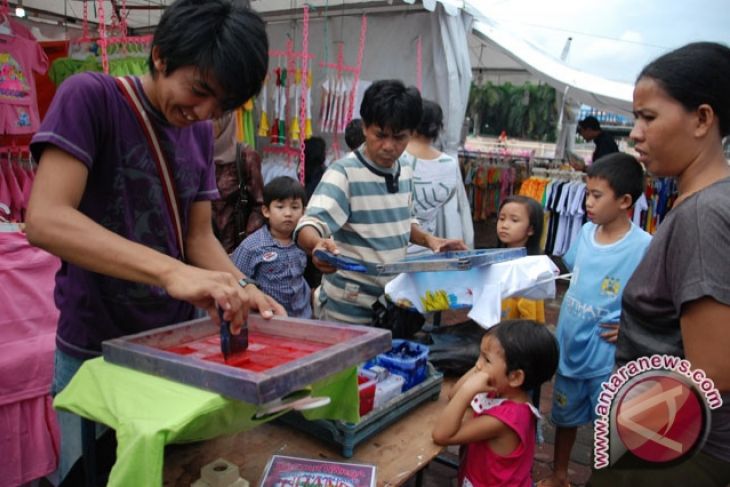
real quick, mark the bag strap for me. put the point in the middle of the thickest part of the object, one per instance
(129, 91)
(242, 172)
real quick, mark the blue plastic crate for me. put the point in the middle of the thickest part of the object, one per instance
(412, 368)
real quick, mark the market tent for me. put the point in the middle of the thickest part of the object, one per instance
(445, 27)
(393, 33)
(391, 53)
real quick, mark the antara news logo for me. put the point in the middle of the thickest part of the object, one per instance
(657, 408)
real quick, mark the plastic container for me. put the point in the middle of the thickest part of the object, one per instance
(407, 359)
(366, 388)
(348, 435)
(388, 389)
(381, 373)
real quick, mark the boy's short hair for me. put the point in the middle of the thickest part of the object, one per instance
(390, 105)
(222, 38)
(530, 347)
(354, 137)
(283, 188)
(622, 172)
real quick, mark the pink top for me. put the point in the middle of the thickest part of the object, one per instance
(15, 186)
(5, 198)
(28, 319)
(19, 57)
(29, 433)
(482, 467)
(12, 194)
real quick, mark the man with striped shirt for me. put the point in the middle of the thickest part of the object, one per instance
(364, 202)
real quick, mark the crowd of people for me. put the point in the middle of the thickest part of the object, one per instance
(132, 226)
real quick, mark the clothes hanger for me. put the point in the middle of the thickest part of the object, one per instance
(5, 28)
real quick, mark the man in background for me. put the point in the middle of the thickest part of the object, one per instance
(590, 129)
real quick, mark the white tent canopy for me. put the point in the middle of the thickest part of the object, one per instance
(581, 87)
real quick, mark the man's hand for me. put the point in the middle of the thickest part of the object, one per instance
(212, 289)
(438, 244)
(611, 333)
(256, 299)
(328, 245)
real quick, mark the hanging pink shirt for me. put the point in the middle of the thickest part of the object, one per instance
(482, 467)
(29, 433)
(21, 178)
(19, 58)
(5, 198)
(27, 185)
(15, 191)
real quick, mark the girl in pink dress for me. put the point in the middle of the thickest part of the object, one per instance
(499, 438)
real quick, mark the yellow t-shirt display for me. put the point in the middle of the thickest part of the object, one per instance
(521, 308)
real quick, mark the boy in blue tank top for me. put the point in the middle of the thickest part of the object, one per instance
(602, 260)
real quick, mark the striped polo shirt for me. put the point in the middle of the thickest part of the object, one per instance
(368, 223)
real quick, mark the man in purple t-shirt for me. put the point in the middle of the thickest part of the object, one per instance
(98, 199)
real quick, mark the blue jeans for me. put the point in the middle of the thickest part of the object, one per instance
(65, 367)
(69, 424)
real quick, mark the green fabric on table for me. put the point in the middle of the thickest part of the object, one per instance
(149, 412)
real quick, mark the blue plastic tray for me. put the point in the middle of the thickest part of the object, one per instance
(339, 261)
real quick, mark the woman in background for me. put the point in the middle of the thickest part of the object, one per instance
(440, 202)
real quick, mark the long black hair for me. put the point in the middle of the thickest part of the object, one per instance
(432, 120)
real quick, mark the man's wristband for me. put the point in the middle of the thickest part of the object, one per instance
(245, 281)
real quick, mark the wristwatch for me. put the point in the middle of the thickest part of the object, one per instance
(245, 281)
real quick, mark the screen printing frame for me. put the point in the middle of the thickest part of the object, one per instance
(348, 346)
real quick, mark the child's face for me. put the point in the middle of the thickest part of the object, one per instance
(602, 205)
(513, 225)
(384, 146)
(492, 361)
(283, 216)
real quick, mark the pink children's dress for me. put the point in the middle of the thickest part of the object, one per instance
(19, 58)
(481, 466)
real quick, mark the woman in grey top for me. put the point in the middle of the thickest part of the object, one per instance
(678, 301)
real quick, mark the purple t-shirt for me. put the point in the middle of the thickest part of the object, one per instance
(90, 119)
